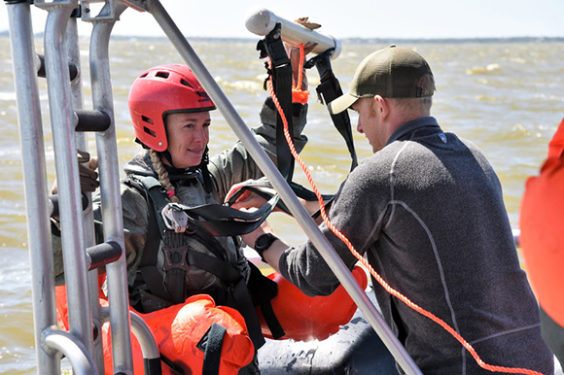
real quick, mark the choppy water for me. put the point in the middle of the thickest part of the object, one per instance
(506, 97)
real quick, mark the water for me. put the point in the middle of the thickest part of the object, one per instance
(505, 97)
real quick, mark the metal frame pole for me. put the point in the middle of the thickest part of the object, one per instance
(279, 183)
(110, 192)
(70, 208)
(35, 180)
(73, 51)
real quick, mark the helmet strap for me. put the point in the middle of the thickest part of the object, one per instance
(168, 158)
(203, 166)
(205, 172)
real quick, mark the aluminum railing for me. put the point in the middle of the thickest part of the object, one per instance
(61, 44)
(81, 348)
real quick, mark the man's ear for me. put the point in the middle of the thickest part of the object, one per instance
(382, 106)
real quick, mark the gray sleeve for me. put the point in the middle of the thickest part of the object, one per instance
(236, 165)
(359, 215)
(135, 223)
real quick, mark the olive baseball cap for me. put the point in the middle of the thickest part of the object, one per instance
(392, 72)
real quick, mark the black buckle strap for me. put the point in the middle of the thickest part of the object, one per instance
(328, 90)
(281, 72)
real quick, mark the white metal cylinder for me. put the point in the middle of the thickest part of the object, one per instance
(263, 21)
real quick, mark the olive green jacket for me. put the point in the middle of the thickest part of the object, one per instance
(227, 168)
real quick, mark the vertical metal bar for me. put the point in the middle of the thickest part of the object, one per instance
(73, 51)
(269, 169)
(110, 193)
(70, 207)
(35, 180)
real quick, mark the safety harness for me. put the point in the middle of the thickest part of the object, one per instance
(167, 286)
(281, 71)
(329, 88)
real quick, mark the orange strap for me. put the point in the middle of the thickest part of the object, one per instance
(299, 95)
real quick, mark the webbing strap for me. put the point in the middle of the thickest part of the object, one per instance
(212, 353)
(263, 290)
(173, 367)
(281, 71)
(328, 90)
(217, 219)
(263, 188)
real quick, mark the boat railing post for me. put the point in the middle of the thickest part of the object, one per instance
(35, 180)
(146, 340)
(110, 185)
(368, 309)
(63, 124)
(73, 52)
(57, 341)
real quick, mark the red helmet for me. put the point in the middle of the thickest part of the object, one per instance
(161, 90)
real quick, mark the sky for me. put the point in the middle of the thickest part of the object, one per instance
(358, 19)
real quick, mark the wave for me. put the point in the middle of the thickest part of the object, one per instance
(488, 69)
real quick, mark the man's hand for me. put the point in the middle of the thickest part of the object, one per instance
(304, 21)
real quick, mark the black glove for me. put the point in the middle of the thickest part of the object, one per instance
(87, 172)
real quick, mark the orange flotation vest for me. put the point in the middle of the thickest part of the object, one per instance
(542, 229)
(304, 318)
(179, 331)
(179, 328)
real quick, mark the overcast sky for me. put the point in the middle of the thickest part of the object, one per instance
(350, 18)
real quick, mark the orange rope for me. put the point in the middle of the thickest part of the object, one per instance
(381, 281)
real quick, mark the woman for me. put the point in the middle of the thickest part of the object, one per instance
(170, 113)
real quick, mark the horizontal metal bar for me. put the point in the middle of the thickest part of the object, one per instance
(102, 254)
(73, 69)
(92, 121)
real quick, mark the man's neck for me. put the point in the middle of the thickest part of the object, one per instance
(397, 119)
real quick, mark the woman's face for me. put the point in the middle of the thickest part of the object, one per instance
(188, 136)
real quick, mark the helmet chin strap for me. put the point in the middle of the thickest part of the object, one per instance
(168, 158)
(203, 166)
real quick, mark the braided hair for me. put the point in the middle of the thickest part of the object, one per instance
(163, 175)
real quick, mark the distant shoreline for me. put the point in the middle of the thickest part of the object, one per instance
(388, 40)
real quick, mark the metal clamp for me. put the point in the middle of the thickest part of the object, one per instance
(174, 217)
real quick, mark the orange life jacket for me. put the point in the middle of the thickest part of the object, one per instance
(178, 331)
(542, 229)
(179, 328)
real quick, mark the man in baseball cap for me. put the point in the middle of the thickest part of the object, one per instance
(427, 211)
